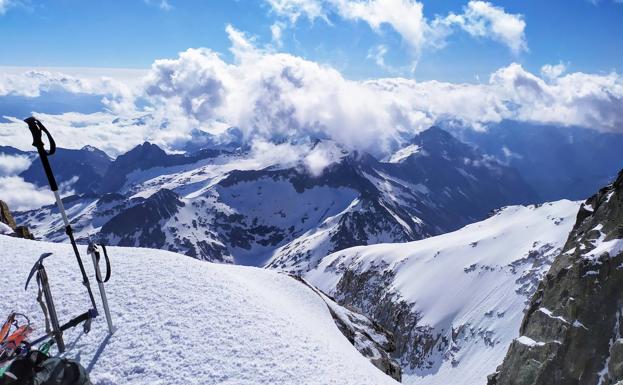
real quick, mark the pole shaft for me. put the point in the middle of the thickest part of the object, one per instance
(61, 207)
(70, 233)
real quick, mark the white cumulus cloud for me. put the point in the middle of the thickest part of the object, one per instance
(21, 195)
(479, 18)
(276, 32)
(483, 19)
(552, 71)
(13, 164)
(294, 9)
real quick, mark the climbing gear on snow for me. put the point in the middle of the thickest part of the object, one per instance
(45, 347)
(21, 370)
(20, 364)
(13, 343)
(94, 250)
(6, 327)
(36, 129)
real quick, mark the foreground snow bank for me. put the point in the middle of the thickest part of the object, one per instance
(185, 321)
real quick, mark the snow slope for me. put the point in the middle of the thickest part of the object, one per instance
(455, 301)
(185, 321)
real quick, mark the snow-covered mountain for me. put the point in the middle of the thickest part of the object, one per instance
(455, 301)
(180, 320)
(240, 206)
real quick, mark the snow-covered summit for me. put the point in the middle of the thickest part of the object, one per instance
(181, 320)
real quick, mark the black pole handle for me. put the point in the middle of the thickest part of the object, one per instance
(36, 128)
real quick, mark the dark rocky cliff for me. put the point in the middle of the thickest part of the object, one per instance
(571, 332)
(7, 218)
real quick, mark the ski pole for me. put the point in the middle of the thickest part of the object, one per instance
(36, 128)
(93, 249)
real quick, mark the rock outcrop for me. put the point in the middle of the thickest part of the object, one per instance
(372, 340)
(571, 332)
(7, 218)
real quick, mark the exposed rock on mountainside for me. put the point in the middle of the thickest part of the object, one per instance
(10, 227)
(371, 339)
(571, 333)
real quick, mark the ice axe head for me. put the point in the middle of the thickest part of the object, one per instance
(35, 267)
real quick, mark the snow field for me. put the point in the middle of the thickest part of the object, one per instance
(183, 321)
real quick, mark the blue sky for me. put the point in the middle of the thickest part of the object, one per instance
(366, 74)
(585, 36)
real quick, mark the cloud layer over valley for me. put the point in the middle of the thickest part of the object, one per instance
(271, 95)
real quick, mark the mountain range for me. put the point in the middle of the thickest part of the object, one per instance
(226, 205)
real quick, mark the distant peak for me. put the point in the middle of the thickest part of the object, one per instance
(436, 140)
(89, 148)
(147, 146)
(432, 140)
(95, 151)
(436, 132)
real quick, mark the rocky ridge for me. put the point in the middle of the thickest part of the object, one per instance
(571, 332)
